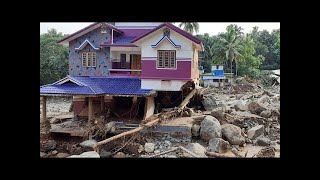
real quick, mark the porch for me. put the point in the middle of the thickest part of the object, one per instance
(126, 61)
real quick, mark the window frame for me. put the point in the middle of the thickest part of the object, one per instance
(89, 59)
(166, 55)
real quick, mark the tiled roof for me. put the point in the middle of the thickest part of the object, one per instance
(98, 85)
(123, 40)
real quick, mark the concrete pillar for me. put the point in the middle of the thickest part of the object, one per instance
(44, 108)
(149, 107)
(90, 110)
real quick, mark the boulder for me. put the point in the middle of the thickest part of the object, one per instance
(88, 144)
(233, 134)
(218, 145)
(105, 154)
(89, 154)
(218, 113)
(42, 154)
(240, 105)
(255, 132)
(48, 146)
(210, 128)
(119, 155)
(195, 130)
(209, 102)
(265, 113)
(264, 99)
(149, 147)
(197, 149)
(62, 155)
(255, 108)
(263, 141)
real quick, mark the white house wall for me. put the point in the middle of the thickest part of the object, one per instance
(160, 85)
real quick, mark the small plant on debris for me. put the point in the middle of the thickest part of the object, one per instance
(266, 79)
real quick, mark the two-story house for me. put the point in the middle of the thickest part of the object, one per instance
(125, 66)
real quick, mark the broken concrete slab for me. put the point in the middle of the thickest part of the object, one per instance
(72, 127)
(210, 128)
(61, 118)
(233, 134)
(255, 132)
(218, 145)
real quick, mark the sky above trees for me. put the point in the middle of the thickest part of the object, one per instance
(205, 27)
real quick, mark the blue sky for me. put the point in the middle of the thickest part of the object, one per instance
(211, 28)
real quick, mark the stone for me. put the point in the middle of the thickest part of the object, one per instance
(88, 144)
(171, 156)
(197, 149)
(105, 154)
(140, 149)
(42, 154)
(233, 134)
(255, 132)
(54, 152)
(195, 130)
(263, 141)
(89, 154)
(265, 113)
(110, 127)
(62, 155)
(240, 105)
(218, 145)
(119, 155)
(228, 109)
(266, 152)
(273, 143)
(185, 114)
(264, 99)
(149, 147)
(167, 142)
(210, 128)
(218, 113)
(209, 102)
(48, 146)
(156, 151)
(255, 108)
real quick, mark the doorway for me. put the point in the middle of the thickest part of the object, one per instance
(135, 61)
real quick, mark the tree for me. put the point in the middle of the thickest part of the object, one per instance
(229, 46)
(191, 27)
(53, 57)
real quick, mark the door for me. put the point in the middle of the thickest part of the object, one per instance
(135, 61)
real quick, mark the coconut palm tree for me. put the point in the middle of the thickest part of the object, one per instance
(190, 27)
(229, 46)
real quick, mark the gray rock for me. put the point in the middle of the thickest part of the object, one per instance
(255, 108)
(195, 130)
(228, 109)
(233, 134)
(218, 145)
(218, 113)
(255, 132)
(110, 127)
(209, 102)
(149, 147)
(54, 152)
(167, 142)
(240, 105)
(264, 99)
(50, 145)
(119, 155)
(156, 151)
(265, 113)
(89, 154)
(210, 128)
(197, 149)
(105, 154)
(62, 155)
(88, 144)
(273, 143)
(140, 149)
(42, 154)
(263, 141)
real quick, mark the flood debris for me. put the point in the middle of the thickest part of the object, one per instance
(237, 121)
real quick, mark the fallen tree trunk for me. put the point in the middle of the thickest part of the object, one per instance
(149, 124)
(217, 155)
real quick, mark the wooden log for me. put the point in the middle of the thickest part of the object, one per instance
(189, 152)
(165, 152)
(44, 109)
(90, 110)
(217, 155)
(186, 100)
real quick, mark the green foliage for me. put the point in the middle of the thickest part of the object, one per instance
(53, 57)
(190, 27)
(265, 78)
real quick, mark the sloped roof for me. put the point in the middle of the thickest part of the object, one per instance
(96, 86)
(176, 29)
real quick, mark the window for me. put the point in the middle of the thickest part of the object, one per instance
(166, 32)
(89, 59)
(166, 59)
(123, 61)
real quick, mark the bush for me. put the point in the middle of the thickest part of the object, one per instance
(266, 79)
